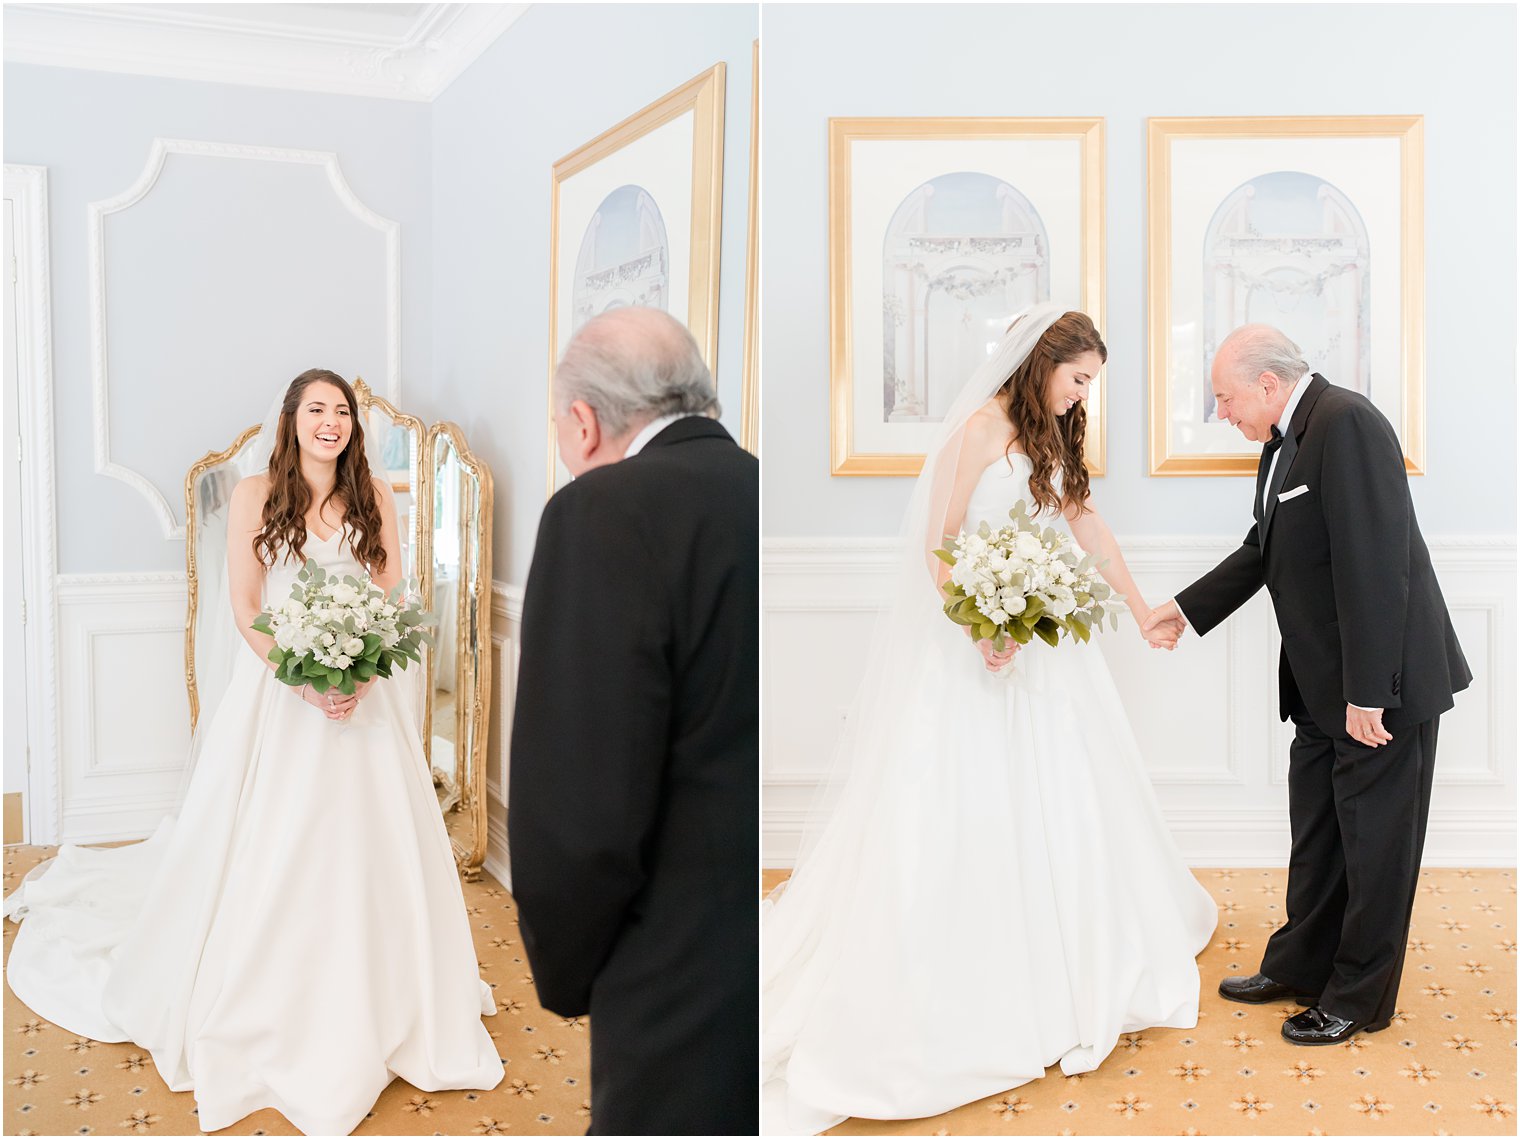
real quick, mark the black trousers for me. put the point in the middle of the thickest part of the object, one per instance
(1358, 818)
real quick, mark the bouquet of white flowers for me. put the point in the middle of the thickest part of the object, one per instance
(335, 632)
(1019, 583)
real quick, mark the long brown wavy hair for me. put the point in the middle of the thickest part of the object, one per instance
(1053, 441)
(290, 495)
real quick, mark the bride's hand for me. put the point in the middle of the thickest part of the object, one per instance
(332, 704)
(361, 688)
(993, 659)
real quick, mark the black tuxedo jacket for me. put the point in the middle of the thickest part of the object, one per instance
(1361, 615)
(634, 799)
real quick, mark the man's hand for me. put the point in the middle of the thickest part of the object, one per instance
(1366, 726)
(1164, 626)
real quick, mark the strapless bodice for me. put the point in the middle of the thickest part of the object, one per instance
(1002, 484)
(335, 555)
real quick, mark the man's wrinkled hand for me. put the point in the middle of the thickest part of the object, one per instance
(1366, 726)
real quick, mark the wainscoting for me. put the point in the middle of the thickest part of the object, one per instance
(123, 713)
(1205, 715)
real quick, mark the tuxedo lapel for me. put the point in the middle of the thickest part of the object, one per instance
(1285, 457)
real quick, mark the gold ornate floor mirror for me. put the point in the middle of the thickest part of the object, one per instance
(457, 585)
(443, 507)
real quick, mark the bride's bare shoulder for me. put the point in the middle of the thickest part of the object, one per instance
(988, 428)
(251, 492)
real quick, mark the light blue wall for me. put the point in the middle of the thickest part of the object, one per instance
(1455, 64)
(92, 130)
(559, 77)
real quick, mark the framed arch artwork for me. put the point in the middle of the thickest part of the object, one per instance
(1314, 225)
(940, 231)
(636, 219)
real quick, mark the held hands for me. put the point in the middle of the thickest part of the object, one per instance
(1163, 626)
(1365, 725)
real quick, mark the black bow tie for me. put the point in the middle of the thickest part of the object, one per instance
(1275, 442)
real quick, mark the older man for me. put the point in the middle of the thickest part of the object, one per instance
(1369, 662)
(633, 803)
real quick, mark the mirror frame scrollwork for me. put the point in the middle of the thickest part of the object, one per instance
(192, 570)
(422, 477)
(473, 790)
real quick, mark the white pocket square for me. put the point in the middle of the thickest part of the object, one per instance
(1294, 493)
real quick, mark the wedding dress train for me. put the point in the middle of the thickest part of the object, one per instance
(296, 938)
(1001, 895)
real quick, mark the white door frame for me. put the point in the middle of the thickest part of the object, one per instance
(26, 187)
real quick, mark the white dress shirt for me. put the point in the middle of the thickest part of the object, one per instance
(1282, 426)
(649, 431)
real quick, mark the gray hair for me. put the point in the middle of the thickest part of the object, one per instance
(632, 365)
(1259, 348)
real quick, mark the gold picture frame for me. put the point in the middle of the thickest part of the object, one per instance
(1062, 165)
(1364, 175)
(693, 249)
(749, 420)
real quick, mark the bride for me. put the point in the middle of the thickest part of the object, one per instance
(297, 937)
(993, 889)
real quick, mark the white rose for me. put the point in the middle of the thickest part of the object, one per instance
(353, 647)
(329, 640)
(1014, 605)
(389, 638)
(287, 636)
(376, 604)
(343, 661)
(1028, 547)
(343, 594)
(293, 608)
(997, 616)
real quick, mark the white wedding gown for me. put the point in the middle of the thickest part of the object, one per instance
(297, 938)
(1000, 896)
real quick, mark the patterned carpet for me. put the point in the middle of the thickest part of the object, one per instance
(58, 1083)
(1446, 1066)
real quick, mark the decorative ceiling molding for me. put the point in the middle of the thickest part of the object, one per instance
(388, 51)
(97, 211)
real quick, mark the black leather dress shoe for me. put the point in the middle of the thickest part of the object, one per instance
(1257, 990)
(1316, 1026)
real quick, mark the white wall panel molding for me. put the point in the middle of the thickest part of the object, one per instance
(109, 586)
(158, 152)
(27, 189)
(506, 633)
(125, 727)
(1219, 763)
(412, 52)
